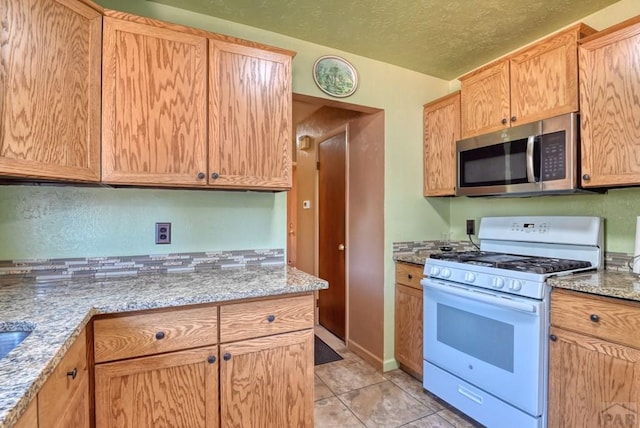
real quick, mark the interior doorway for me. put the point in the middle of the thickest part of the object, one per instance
(314, 121)
(332, 155)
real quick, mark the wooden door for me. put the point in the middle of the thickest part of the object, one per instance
(332, 233)
(610, 107)
(485, 100)
(544, 78)
(249, 117)
(441, 131)
(268, 381)
(592, 382)
(50, 90)
(292, 220)
(154, 105)
(178, 389)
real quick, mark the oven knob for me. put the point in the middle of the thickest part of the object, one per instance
(434, 271)
(515, 285)
(469, 277)
(498, 282)
(446, 273)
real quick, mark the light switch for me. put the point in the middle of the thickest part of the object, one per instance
(306, 205)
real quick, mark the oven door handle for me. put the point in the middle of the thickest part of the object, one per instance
(482, 297)
(531, 141)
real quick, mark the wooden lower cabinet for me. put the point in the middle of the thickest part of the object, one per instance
(268, 381)
(64, 400)
(178, 389)
(408, 319)
(593, 380)
(29, 418)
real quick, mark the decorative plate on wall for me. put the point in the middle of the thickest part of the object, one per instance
(335, 76)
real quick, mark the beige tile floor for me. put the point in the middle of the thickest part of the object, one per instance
(351, 393)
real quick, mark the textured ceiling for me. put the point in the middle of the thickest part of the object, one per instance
(442, 38)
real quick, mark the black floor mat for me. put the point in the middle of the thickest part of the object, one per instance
(322, 353)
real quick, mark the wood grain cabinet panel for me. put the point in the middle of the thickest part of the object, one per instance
(408, 318)
(50, 90)
(594, 376)
(537, 82)
(29, 418)
(441, 131)
(150, 333)
(610, 106)
(282, 362)
(64, 401)
(265, 317)
(249, 117)
(178, 389)
(154, 125)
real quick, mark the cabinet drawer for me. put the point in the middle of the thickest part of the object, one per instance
(265, 317)
(70, 374)
(606, 318)
(153, 333)
(409, 275)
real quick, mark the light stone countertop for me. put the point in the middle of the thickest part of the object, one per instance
(623, 285)
(58, 311)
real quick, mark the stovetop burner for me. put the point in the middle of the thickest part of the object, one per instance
(515, 262)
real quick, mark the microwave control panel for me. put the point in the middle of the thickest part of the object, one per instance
(553, 157)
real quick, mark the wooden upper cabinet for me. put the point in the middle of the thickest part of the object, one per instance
(537, 82)
(441, 131)
(610, 107)
(249, 117)
(154, 117)
(50, 90)
(484, 100)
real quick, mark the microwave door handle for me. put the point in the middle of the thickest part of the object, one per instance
(531, 178)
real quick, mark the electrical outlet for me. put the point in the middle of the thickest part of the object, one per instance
(163, 233)
(471, 227)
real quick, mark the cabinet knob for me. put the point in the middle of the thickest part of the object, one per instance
(211, 359)
(594, 317)
(514, 118)
(553, 337)
(201, 175)
(160, 335)
(215, 175)
(73, 373)
(410, 276)
(271, 318)
(586, 177)
(226, 356)
(504, 120)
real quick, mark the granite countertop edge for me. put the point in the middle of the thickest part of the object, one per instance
(607, 283)
(57, 312)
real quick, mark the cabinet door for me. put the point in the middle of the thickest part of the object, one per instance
(250, 117)
(592, 383)
(178, 389)
(610, 108)
(63, 401)
(485, 100)
(154, 105)
(544, 79)
(50, 89)
(441, 131)
(268, 382)
(29, 418)
(408, 328)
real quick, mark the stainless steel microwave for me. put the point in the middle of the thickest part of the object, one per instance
(536, 158)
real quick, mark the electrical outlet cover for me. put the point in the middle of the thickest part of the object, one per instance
(163, 233)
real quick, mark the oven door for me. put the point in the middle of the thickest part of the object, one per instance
(493, 341)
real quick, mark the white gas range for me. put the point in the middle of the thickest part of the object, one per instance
(486, 314)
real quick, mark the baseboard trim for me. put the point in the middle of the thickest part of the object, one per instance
(365, 355)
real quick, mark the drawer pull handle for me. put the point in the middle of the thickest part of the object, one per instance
(73, 373)
(211, 359)
(271, 318)
(553, 337)
(226, 356)
(410, 276)
(160, 335)
(594, 318)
